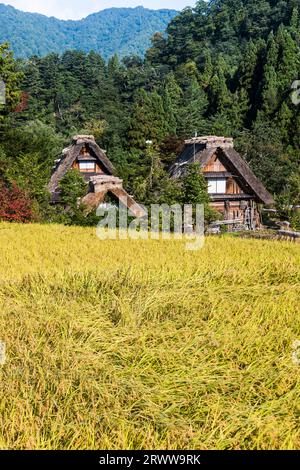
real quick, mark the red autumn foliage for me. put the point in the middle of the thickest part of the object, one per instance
(15, 205)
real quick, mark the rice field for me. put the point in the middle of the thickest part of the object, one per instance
(144, 345)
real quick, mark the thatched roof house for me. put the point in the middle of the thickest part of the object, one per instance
(92, 162)
(234, 189)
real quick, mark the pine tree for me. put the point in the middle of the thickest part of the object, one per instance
(294, 22)
(219, 94)
(270, 92)
(139, 126)
(158, 118)
(288, 61)
(32, 84)
(207, 70)
(247, 80)
(11, 77)
(148, 121)
(284, 120)
(172, 95)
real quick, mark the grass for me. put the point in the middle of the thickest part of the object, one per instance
(141, 344)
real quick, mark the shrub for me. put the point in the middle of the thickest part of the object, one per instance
(295, 221)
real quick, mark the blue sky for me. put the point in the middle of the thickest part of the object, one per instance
(76, 9)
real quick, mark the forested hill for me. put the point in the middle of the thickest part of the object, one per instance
(116, 30)
(224, 27)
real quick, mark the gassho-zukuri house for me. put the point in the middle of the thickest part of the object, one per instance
(234, 189)
(92, 162)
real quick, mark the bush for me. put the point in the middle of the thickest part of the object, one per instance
(295, 221)
(15, 205)
(70, 211)
(195, 192)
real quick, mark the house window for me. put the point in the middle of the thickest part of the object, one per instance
(88, 167)
(217, 186)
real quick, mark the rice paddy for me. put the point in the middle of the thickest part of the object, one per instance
(144, 345)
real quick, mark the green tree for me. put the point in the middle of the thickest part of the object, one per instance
(206, 69)
(219, 94)
(172, 95)
(193, 108)
(72, 187)
(194, 186)
(194, 191)
(288, 60)
(71, 211)
(148, 121)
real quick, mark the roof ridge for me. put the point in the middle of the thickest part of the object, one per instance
(83, 137)
(211, 141)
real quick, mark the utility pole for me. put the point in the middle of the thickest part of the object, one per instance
(196, 135)
(149, 144)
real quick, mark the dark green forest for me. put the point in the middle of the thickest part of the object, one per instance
(225, 67)
(115, 30)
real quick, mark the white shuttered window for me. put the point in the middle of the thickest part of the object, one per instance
(87, 165)
(217, 186)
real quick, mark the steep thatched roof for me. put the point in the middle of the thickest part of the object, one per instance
(93, 199)
(201, 150)
(99, 184)
(71, 153)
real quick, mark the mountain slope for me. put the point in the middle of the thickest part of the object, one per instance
(116, 30)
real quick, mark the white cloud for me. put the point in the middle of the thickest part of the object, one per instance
(76, 9)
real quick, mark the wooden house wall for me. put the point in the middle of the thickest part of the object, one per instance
(232, 187)
(214, 165)
(234, 210)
